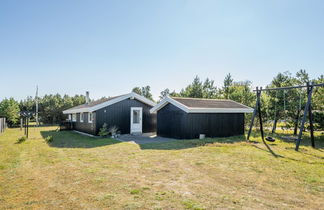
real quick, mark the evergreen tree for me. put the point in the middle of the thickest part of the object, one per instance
(194, 90)
(228, 82)
(144, 91)
(9, 108)
(164, 93)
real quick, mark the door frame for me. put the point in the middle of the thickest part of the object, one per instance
(140, 130)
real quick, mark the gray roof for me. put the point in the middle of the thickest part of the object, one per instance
(208, 103)
(96, 105)
(93, 103)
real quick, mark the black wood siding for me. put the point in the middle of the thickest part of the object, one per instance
(174, 122)
(118, 115)
(85, 126)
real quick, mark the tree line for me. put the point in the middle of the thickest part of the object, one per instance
(50, 107)
(277, 106)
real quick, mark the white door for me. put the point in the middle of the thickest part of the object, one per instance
(136, 119)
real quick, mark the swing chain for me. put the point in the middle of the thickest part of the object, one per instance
(284, 100)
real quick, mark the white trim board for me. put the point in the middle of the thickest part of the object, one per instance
(111, 102)
(183, 107)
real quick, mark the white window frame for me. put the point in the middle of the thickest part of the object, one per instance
(81, 117)
(74, 117)
(136, 127)
(90, 117)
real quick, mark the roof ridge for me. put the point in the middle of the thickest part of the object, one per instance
(95, 102)
(211, 99)
(203, 105)
(95, 105)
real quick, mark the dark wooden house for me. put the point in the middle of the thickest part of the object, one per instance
(187, 118)
(130, 113)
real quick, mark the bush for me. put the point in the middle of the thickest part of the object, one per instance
(113, 130)
(49, 139)
(103, 132)
(21, 140)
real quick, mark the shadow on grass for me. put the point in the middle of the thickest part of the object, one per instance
(268, 150)
(185, 144)
(289, 138)
(319, 161)
(319, 140)
(69, 139)
(306, 140)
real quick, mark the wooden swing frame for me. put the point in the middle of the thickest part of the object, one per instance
(24, 121)
(307, 110)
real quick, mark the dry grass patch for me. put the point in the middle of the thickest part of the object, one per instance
(75, 171)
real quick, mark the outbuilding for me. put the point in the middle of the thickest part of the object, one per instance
(130, 113)
(187, 118)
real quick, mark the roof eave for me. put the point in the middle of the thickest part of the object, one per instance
(181, 106)
(73, 111)
(167, 100)
(221, 110)
(110, 102)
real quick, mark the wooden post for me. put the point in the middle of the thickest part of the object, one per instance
(25, 131)
(309, 90)
(36, 98)
(310, 115)
(274, 127)
(21, 123)
(260, 115)
(254, 113)
(297, 115)
(296, 121)
(27, 126)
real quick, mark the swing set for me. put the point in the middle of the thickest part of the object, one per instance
(24, 121)
(307, 110)
(275, 120)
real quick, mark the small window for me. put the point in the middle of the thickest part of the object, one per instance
(70, 117)
(81, 117)
(74, 117)
(90, 117)
(136, 116)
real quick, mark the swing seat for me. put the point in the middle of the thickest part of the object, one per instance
(269, 138)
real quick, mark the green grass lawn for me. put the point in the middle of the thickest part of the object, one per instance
(76, 171)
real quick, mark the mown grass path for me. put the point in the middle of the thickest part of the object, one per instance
(75, 171)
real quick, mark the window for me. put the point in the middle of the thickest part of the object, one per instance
(90, 117)
(70, 117)
(81, 117)
(73, 117)
(136, 116)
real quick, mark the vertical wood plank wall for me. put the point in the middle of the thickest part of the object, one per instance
(174, 122)
(116, 115)
(119, 115)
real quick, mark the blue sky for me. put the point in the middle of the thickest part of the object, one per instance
(108, 47)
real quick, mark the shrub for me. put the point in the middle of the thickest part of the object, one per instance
(113, 130)
(103, 131)
(21, 140)
(49, 139)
